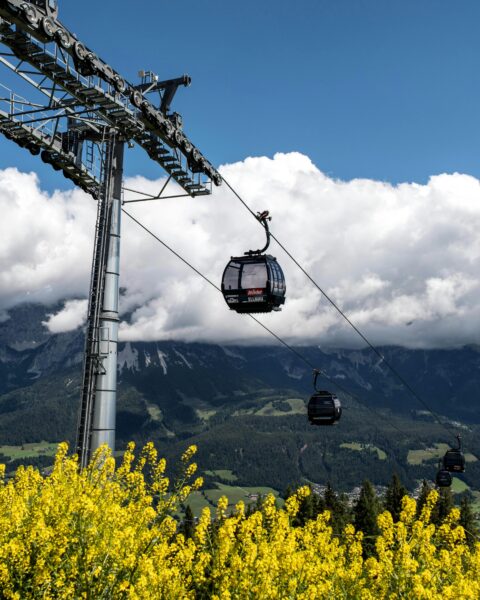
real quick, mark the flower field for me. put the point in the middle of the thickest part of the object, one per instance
(109, 532)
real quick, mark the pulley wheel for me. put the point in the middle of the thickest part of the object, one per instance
(179, 137)
(178, 121)
(187, 146)
(80, 51)
(92, 59)
(108, 72)
(49, 26)
(137, 98)
(31, 14)
(64, 39)
(119, 84)
(168, 127)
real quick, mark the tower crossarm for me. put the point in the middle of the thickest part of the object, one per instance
(54, 147)
(38, 40)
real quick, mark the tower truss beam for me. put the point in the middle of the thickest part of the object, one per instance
(55, 54)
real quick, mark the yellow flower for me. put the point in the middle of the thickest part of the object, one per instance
(111, 532)
(189, 452)
(222, 505)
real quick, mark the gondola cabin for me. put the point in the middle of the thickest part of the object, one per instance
(253, 284)
(324, 408)
(454, 461)
(443, 479)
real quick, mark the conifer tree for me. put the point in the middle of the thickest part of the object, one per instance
(468, 521)
(338, 508)
(188, 523)
(443, 506)
(365, 513)
(394, 496)
(320, 506)
(422, 498)
(308, 510)
(330, 497)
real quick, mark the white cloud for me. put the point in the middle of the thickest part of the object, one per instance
(45, 241)
(402, 261)
(71, 316)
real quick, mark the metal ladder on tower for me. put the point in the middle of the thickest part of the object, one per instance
(92, 359)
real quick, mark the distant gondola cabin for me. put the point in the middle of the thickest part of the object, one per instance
(324, 408)
(454, 461)
(444, 478)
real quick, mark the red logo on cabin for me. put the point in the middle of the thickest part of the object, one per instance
(255, 292)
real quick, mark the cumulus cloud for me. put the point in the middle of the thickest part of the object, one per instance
(401, 261)
(72, 315)
(45, 241)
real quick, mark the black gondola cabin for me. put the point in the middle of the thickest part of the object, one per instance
(454, 461)
(324, 408)
(443, 479)
(253, 284)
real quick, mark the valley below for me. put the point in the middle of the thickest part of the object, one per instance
(245, 409)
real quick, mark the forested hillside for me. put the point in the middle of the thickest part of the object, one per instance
(245, 407)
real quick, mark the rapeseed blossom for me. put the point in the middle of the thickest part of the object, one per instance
(109, 532)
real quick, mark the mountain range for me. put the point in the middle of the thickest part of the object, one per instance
(245, 407)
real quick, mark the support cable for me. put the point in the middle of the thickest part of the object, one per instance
(392, 369)
(267, 329)
(210, 282)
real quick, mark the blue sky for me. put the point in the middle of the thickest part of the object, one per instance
(383, 90)
(365, 88)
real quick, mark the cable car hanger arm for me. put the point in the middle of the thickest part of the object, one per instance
(316, 373)
(263, 218)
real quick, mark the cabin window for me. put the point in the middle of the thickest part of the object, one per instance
(230, 281)
(254, 275)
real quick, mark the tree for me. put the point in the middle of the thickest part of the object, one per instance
(338, 508)
(365, 514)
(188, 523)
(467, 520)
(307, 510)
(394, 496)
(443, 506)
(422, 498)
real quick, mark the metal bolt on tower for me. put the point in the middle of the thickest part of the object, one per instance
(76, 112)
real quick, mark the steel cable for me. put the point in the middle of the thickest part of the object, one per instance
(392, 369)
(272, 333)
